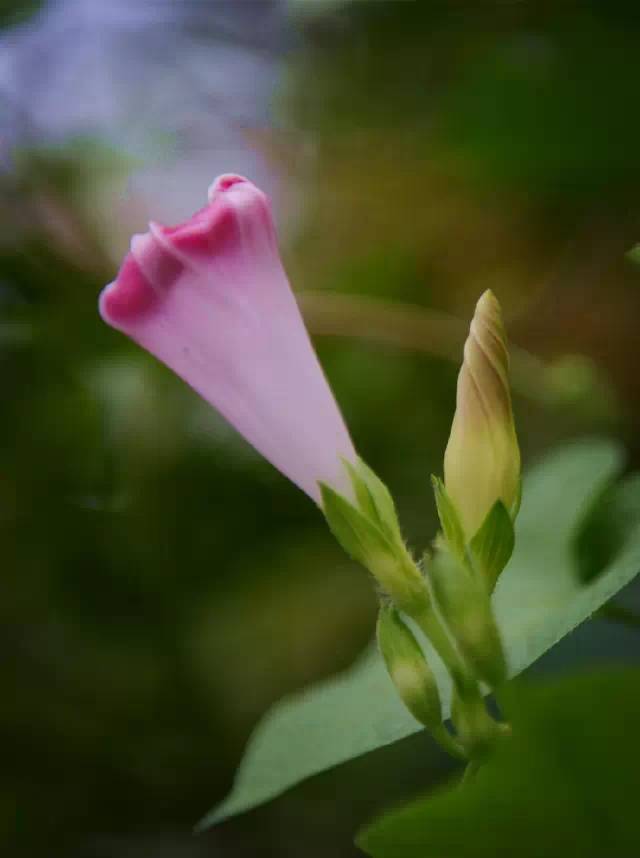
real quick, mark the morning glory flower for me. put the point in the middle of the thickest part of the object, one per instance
(210, 299)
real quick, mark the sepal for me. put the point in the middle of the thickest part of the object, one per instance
(364, 539)
(464, 603)
(492, 546)
(374, 498)
(449, 518)
(359, 535)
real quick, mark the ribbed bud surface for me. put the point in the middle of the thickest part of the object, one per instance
(482, 459)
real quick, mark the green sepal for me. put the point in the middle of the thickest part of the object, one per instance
(465, 606)
(359, 535)
(517, 502)
(449, 518)
(492, 546)
(388, 561)
(374, 498)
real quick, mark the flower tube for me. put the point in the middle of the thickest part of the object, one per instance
(210, 299)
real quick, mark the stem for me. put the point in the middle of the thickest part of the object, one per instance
(448, 742)
(474, 725)
(438, 636)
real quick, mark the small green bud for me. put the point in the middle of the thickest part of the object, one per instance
(408, 668)
(482, 459)
(464, 603)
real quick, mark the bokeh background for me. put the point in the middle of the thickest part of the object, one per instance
(161, 585)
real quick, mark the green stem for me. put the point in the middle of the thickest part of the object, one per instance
(470, 771)
(463, 680)
(476, 727)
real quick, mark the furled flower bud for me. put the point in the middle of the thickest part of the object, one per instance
(482, 459)
(412, 676)
(408, 668)
(210, 299)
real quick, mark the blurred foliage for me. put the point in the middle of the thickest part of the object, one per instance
(162, 586)
(495, 149)
(551, 789)
(607, 527)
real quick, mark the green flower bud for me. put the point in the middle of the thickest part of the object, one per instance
(482, 459)
(408, 668)
(412, 677)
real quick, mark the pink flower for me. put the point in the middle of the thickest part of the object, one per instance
(210, 299)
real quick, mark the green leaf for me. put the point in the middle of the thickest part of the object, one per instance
(539, 597)
(316, 729)
(449, 519)
(538, 600)
(492, 546)
(551, 790)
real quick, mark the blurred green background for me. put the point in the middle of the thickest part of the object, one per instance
(161, 585)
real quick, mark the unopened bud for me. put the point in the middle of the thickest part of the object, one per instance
(408, 668)
(482, 459)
